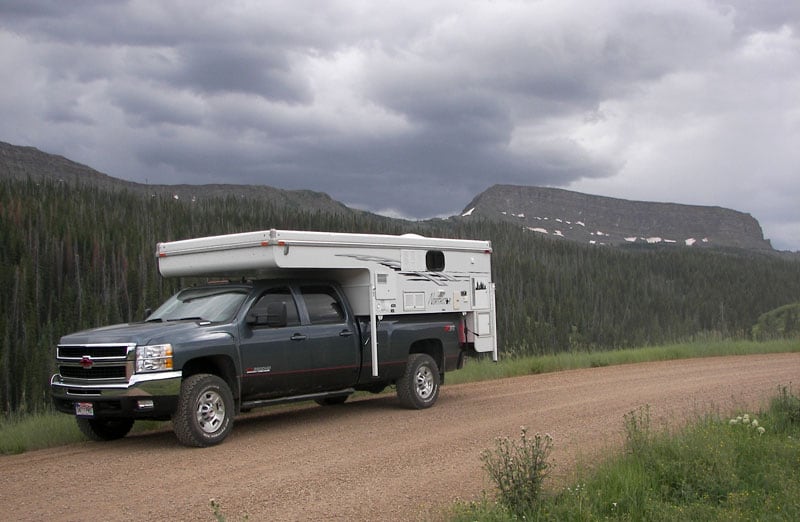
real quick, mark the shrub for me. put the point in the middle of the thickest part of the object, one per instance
(786, 409)
(637, 429)
(518, 470)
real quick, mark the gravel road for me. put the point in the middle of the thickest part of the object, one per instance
(369, 459)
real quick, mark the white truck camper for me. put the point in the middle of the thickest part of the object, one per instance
(381, 275)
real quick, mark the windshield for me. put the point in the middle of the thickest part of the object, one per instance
(201, 304)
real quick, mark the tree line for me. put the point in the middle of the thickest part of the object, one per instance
(77, 256)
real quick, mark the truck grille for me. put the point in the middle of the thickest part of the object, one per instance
(100, 372)
(112, 350)
(96, 362)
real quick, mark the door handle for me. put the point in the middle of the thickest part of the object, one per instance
(346, 333)
(298, 337)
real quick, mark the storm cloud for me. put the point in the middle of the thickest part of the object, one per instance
(413, 108)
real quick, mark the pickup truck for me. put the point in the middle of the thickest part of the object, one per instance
(212, 351)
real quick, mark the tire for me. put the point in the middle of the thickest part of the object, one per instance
(104, 429)
(332, 401)
(418, 388)
(205, 411)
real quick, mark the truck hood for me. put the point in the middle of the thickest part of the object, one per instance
(146, 333)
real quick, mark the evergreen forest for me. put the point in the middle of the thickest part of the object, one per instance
(76, 256)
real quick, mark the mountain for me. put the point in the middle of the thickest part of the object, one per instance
(599, 220)
(23, 163)
(549, 212)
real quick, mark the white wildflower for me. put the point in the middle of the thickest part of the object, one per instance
(761, 430)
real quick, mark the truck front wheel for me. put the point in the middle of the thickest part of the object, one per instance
(104, 429)
(418, 388)
(205, 411)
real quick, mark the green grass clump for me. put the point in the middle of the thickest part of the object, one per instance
(485, 369)
(21, 433)
(740, 468)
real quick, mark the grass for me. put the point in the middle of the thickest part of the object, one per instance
(20, 433)
(716, 468)
(485, 369)
(26, 432)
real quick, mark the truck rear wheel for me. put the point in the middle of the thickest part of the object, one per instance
(104, 429)
(418, 388)
(205, 411)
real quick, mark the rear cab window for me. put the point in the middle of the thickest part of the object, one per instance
(323, 304)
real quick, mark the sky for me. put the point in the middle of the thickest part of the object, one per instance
(411, 108)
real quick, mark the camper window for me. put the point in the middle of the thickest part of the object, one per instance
(434, 260)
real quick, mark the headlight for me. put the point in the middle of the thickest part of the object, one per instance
(155, 358)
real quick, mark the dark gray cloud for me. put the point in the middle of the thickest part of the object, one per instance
(210, 69)
(415, 107)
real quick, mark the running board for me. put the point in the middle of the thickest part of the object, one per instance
(295, 398)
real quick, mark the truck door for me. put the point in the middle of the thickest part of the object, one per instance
(332, 347)
(315, 348)
(267, 346)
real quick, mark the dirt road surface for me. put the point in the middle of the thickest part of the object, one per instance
(369, 459)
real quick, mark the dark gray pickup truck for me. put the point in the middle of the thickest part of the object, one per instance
(212, 351)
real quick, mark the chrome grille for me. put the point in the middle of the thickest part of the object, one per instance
(98, 372)
(92, 350)
(96, 362)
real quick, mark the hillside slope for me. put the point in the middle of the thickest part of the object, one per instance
(23, 163)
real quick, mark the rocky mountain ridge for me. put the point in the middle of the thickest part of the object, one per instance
(601, 220)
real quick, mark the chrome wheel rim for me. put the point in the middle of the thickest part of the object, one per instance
(210, 411)
(424, 382)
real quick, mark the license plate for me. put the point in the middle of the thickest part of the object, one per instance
(84, 409)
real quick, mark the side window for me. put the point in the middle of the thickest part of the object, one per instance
(434, 260)
(323, 305)
(278, 295)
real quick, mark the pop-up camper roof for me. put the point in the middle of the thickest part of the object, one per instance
(381, 274)
(261, 252)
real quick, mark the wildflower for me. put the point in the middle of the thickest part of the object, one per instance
(761, 430)
(734, 421)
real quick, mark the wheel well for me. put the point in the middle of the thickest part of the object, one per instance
(432, 347)
(218, 365)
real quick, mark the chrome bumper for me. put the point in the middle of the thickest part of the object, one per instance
(147, 396)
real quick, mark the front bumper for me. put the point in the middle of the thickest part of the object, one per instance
(144, 396)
